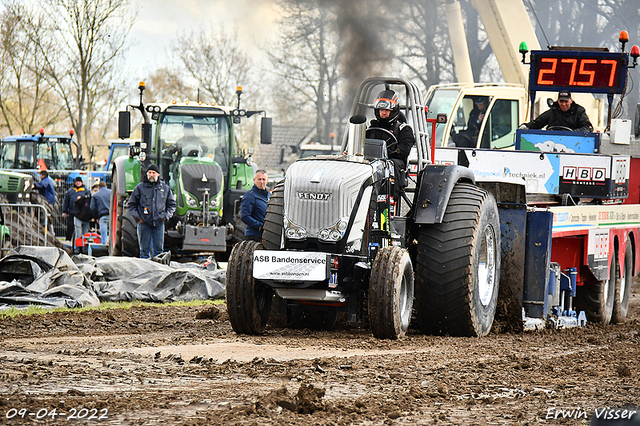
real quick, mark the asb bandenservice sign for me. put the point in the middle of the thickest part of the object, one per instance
(289, 265)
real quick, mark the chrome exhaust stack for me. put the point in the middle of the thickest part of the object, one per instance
(355, 138)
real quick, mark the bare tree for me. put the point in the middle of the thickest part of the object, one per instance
(90, 38)
(27, 102)
(215, 61)
(423, 45)
(306, 59)
(166, 84)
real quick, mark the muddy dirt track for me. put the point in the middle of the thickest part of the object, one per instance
(185, 366)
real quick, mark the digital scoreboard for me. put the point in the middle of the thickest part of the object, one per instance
(578, 71)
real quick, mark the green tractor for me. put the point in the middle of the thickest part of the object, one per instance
(193, 146)
(16, 187)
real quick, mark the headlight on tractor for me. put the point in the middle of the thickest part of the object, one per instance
(214, 203)
(190, 200)
(334, 232)
(293, 231)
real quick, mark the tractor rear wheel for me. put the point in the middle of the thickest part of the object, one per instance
(115, 219)
(273, 220)
(123, 231)
(129, 238)
(248, 300)
(597, 298)
(458, 266)
(623, 286)
(5, 245)
(391, 288)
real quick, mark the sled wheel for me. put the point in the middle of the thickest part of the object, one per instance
(623, 286)
(248, 301)
(597, 298)
(458, 266)
(391, 293)
(273, 220)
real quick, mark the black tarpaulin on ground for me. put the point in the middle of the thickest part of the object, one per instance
(48, 277)
(44, 276)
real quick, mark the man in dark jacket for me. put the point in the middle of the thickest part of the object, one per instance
(254, 206)
(46, 188)
(388, 117)
(151, 204)
(68, 210)
(565, 113)
(100, 209)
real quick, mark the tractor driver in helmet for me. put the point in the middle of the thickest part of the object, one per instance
(386, 108)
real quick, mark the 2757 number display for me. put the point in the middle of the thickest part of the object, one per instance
(568, 70)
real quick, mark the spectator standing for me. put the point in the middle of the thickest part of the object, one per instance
(254, 206)
(151, 204)
(100, 201)
(68, 209)
(46, 187)
(47, 191)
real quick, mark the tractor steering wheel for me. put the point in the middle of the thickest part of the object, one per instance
(382, 134)
(565, 128)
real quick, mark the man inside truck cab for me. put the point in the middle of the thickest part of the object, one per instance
(468, 137)
(189, 144)
(564, 114)
(386, 108)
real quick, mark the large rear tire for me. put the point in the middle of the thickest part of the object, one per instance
(458, 266)
(273, 220)
(5, 245)
(115, 219)
(248, 301)
(391, 288)
(129, 238)
(597, 298)
(623, 286)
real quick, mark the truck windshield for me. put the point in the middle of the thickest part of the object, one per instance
(8, 155)
(117, 150)
(195, 135)
(441, 102)
(55, 153)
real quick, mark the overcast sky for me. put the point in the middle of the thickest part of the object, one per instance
(159, 22)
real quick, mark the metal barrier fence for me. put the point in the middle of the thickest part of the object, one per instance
(27, 224)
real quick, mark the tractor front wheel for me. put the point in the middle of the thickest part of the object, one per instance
(248, 300)
(391, 289)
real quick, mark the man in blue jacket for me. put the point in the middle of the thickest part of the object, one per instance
(46, 188)
(254, 206)
(100, 209)
(151, 204)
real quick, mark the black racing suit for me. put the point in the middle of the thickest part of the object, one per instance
(575, 118)
(398, 153)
